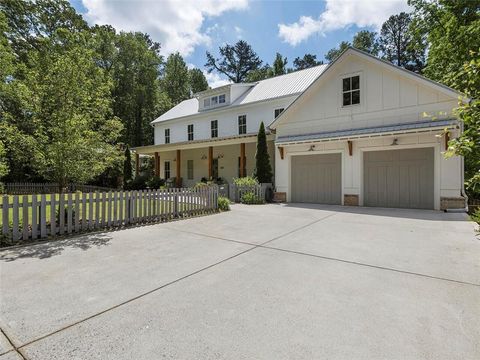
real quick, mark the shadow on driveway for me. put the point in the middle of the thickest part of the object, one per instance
(55, 247)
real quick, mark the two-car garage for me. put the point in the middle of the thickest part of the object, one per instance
(391, 178)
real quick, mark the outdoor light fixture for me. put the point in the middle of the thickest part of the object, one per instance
(220, 156)
(204, 157)
(312, 148)
(394, 142)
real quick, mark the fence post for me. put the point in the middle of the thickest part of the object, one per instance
(175, 203)
(5, 224)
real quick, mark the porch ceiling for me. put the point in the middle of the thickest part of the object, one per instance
(185, 145)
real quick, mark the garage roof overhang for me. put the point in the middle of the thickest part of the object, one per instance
(369, 132)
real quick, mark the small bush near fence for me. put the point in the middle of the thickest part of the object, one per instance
(33, 217)
(245, 181)
(250, 198)
(223, 203)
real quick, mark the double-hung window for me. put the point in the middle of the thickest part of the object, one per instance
(278, 112)
(167, 169)
(167, 136)
(242, 124)
(221, 99)
(190, 132)
(351, 90)
(214, 128)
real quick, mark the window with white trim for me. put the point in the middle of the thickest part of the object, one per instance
(167, 169)
(206, 102)
(221, 99)
(242, 124)
(167, 136)
(351, 90)
(214, 128)
(278, 112)
(190, 169)
(190, 132)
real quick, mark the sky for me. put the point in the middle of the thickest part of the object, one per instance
(193, 27)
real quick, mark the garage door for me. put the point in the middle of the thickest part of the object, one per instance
(399, 178)
(317, 179)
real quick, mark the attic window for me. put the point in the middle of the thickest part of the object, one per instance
(206, 102)
(351, 90)
(278, 112)
(221, 99)
(214, 100)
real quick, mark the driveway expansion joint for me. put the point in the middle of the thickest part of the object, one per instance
(12, 344)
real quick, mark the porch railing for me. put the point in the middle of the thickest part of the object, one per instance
(33, 217)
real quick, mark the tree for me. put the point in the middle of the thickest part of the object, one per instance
(236, 61)
(176, 81)
(367, 41)
(306, 62)
(263, 169)
(197, 81)
(76, 132)
(332, 54)
(261, 73)
(279, 65)
(399, 45)
(127, 166)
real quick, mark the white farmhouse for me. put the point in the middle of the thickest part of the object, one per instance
(359, 131)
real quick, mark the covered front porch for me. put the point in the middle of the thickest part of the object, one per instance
(213, 159)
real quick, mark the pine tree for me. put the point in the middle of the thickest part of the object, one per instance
(127, 166)
(263, 169)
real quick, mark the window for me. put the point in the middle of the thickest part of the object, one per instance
(214, 128)
(206, 102)
(278, 112)
(244, 166)
(190, 132)
(221, 99)
(351, 90)
(214, 100)
(167, 136)
(190, 169)
(167, 169)
(242, 124)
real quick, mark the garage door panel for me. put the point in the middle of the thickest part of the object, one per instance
(399, 178)
(316, 178)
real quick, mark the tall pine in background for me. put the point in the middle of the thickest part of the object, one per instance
(263, 168)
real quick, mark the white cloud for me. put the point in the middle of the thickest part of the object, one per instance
(175, 24)
(214, 80)
(238, 31)
(339, 14)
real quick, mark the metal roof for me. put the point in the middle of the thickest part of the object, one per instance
(367, 131)
(280, 86)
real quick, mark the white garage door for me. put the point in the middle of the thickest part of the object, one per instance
(399, 178)
(317, 179)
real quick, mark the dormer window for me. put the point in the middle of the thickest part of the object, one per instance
(221, 99)
(206, 102)
(213, 101)
(351, 90)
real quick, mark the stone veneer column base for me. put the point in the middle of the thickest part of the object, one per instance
(350, 200)
(452, 203)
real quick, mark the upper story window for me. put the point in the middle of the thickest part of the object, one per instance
(221, 99)
(206, 102)
(167, 136)
(190, 132)
(278, 112)
(214, 100)
(214, 128)
(351, 90)
(242, 124)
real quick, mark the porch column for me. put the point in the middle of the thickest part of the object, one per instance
(137, 164)
(157, 164)
(242, 159)
(179, 166)
(210, 160)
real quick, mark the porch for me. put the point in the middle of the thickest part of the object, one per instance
(212, 159)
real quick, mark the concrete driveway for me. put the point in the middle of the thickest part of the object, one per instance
(259, 282)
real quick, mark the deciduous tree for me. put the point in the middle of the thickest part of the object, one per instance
(305, 62)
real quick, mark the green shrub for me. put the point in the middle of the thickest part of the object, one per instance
(475, 216)
(245, 181)
(250, 198)
(155, 183)
(203, 184)
(223, 203)
(138, 183)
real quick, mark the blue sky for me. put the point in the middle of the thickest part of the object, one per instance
(193, 27)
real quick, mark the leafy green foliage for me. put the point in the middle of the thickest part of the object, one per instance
(263, 168)
(127, 166)
(176, 79)
(197, 80)
(279, 65)
(236, 61)
(332, 54)
(223, 203)
(250, 198)
(307, 61)
(245, 181)
(367, 41)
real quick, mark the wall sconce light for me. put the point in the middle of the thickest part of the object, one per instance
(204, 157)
(220, 156)
(394, 142)
(312, 148)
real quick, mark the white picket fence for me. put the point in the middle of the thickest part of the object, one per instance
(32, 217)
(49, 188)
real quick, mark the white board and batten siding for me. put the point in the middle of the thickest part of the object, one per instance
(388, 96)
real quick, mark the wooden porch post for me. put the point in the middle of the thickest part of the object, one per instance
(178, 175)
(210, 160)
(157, 164)
(137, 164)
(242, 159)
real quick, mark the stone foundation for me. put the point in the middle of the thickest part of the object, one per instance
(280, 197)
(350, 200)
(452, 203)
